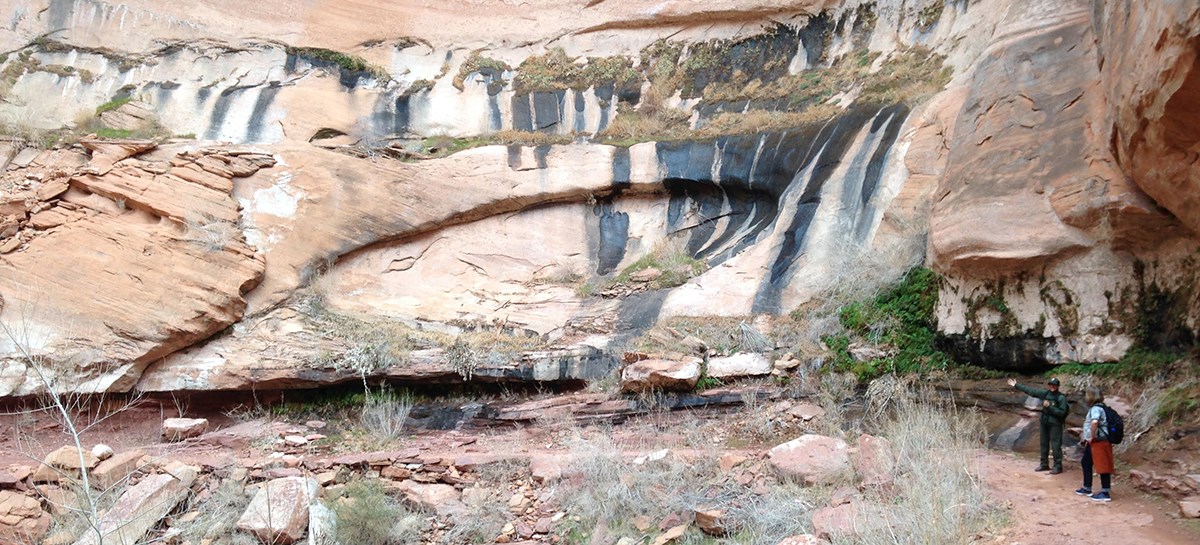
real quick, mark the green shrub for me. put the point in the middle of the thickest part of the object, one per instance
(901, 318)
(1137, 364)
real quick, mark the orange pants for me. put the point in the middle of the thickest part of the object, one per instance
(1102, 456)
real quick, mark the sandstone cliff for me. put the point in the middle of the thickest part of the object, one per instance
(369, 188)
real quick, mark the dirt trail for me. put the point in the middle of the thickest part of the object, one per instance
(1044, 509)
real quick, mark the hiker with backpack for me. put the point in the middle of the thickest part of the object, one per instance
(1054, 414)
(1101, 428)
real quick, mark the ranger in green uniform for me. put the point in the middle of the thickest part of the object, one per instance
(1054, 414)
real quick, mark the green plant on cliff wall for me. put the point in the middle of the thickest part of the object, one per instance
(474, 64)
(554, 71)
(930, 15)
(344, 61)
(900, 319)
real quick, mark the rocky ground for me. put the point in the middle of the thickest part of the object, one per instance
(534, 479)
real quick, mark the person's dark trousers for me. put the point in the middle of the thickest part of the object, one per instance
(1086, 465)
(1052, 435)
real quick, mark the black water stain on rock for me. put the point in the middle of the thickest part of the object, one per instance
(816, 36)
(540, 153)
(495, 120)
(403, 114)
(521, 113)
(613, 236)
(514, 156)
(621, 168)
(261, 106)
(580, 118)
(220, 111)
(831, 142)
(638, 312)
(202, 96)
(604, 96)
(548, 109)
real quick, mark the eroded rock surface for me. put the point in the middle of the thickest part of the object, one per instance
(142, 257)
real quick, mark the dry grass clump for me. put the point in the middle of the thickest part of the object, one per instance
(218, 516)
(758, 120)
(630, 127)
(610, 488)
(909, 76)
(609, 492)
(212, 234)
(384, 414)
(368, 516)
(719, 333)
(367, 345)
(555, 70)
(671, 259)
(487, 504)
(939, 495)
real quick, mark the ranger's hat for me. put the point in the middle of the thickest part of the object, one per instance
(1053, 382)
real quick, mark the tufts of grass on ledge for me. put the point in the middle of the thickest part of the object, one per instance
(344, 61)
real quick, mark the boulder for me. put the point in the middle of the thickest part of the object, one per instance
(806, 411)
(68, 457)
(712, 522)
(21, 518)
(60, 501)
(742, 364)
(278, 514)
(440, 498)
(646, 275)
(812, 459)
(730, 460)
(116, 469)
(873, 461)
(63, 462)
(836, 522)
(102, 452)
(661, 374)
(15, 477)
(1189, 507)
(139, 509)
(787, 363)
(178, 429)
(545, 468)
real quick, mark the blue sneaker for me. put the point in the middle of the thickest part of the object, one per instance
(1084, 491)
(1101, 496)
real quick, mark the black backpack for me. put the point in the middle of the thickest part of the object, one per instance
(1115, 431)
